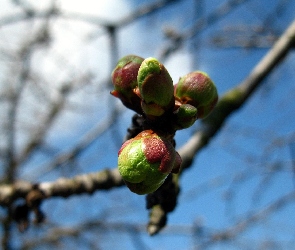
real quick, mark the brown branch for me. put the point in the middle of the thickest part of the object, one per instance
(63, 187)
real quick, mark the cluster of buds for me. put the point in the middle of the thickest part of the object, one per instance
(145, 86)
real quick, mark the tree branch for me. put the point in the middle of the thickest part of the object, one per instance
(63, 187)
(236, 97)
(230, 102)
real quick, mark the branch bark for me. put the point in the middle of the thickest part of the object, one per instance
(63, 187)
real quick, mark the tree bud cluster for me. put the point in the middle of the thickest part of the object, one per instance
(145, 86)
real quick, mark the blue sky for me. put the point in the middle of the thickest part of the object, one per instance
(245, 146)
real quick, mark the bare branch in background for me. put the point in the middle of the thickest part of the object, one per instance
(25, 54)
(99, 227)
(243, 224)
(54, 108)
(236, 97)
(86, 141)
(248, 36)
(178, 38)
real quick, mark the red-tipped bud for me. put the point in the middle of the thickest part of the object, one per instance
(145, 161)
(124, 78)
(197, 89)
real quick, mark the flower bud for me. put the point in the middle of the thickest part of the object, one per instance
(124, 78)
(197, 89)
(185, 116)
(155, 87)
(145, 161)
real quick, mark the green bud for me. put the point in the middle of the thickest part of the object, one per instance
(197, 89)
(145, 161)
(155, 87)
(124, 78)
(185, 116)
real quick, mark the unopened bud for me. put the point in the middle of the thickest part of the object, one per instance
(124, 78)
(145, 161)
(155, 87)
(185, 116)
(197, 89)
